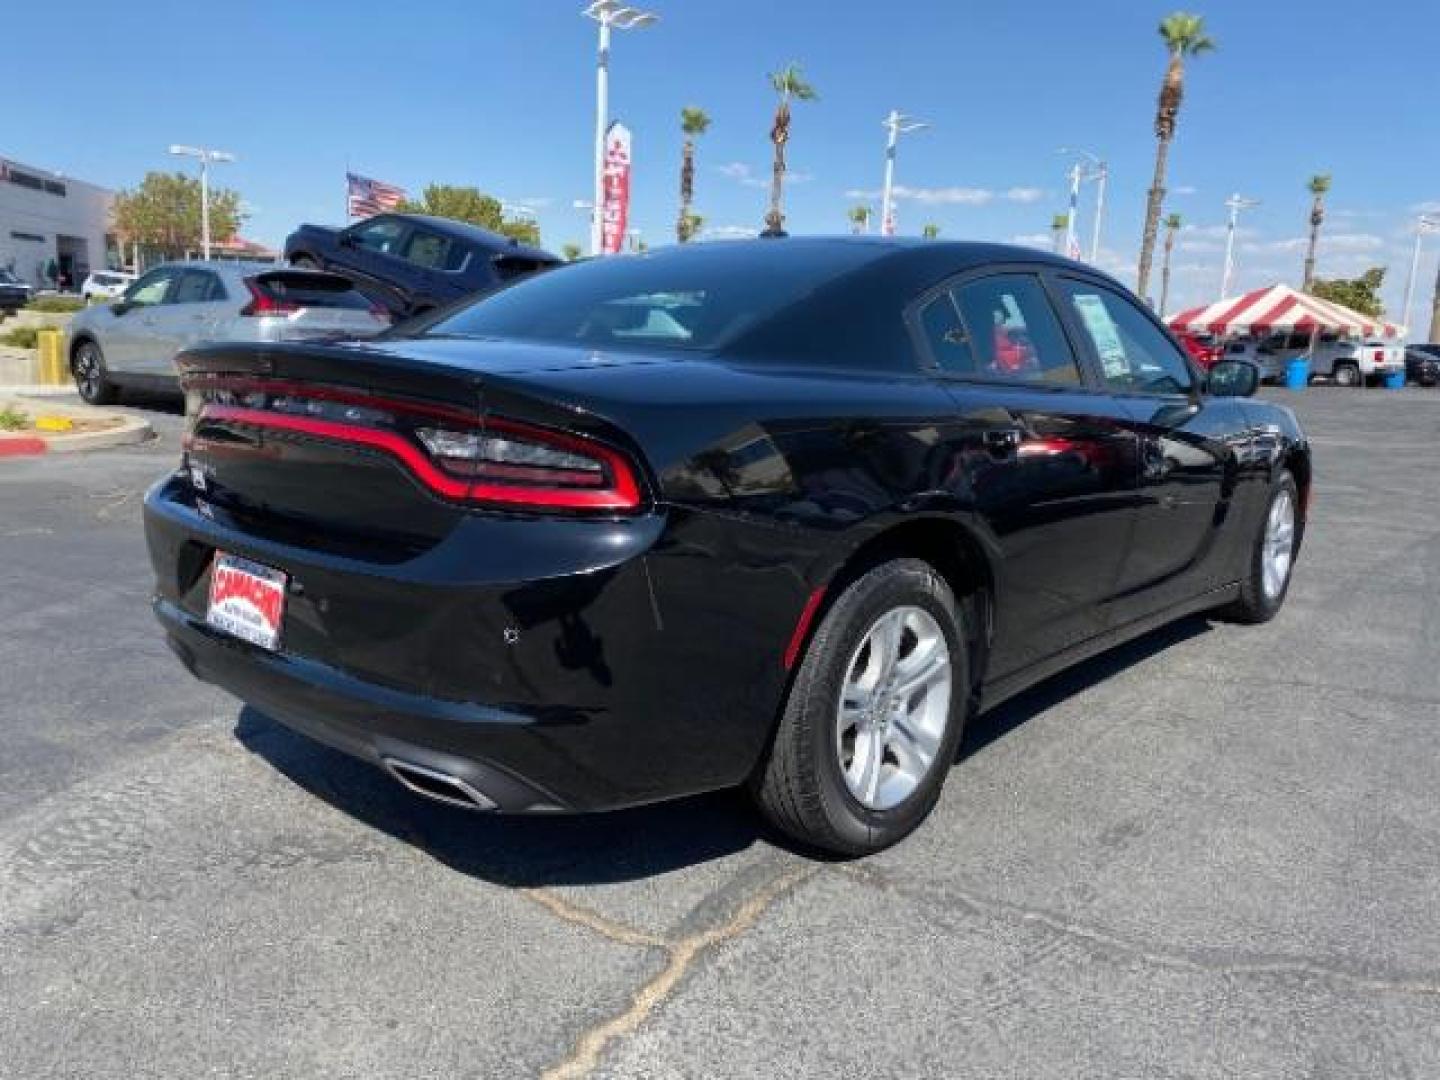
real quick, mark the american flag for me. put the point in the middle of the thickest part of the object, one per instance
(366, 197)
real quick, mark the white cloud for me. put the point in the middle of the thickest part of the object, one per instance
(1340, 243)
(1216, 232)
(1036, 239)
(535, 202)
(1430, 207)
(952, 196)
(728, 232)
(1184, 189)
(741, 173)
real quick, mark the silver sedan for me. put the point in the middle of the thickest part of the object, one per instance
(133, 341)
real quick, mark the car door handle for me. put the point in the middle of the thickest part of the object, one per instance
(1002, 442)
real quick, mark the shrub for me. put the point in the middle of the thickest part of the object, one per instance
(56, 305)
(12, 419)
(22, 337)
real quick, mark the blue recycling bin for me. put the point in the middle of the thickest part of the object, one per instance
(1297, 373)
(1395, 380)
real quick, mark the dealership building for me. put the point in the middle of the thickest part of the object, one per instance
(47, 217)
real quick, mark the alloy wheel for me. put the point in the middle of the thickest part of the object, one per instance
(87, 372)
(894, 707)
(1279, 545)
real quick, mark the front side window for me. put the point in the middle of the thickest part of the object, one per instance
(381, 235)
(1136, 357)
(150, 289)
(1007, 330)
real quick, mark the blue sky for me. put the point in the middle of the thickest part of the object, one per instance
(501, 95)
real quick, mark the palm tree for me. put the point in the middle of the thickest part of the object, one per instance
(859, 219)
(930, 231)
(790, 84)
(1172, 226)
(693, 123)
(1058, 224)
(1318, 186)
(1184, 36)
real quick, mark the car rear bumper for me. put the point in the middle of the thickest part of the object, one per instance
(552, 665)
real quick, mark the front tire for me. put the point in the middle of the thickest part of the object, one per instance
(1272, 556)
(1347, 375)
(91, 378)
(874, 716)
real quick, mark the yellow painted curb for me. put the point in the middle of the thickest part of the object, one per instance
(53, 423)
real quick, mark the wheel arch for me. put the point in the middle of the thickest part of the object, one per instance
(956, 553)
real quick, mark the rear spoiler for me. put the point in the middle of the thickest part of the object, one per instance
(296, 278)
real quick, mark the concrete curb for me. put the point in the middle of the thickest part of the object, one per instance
(32, 390)
(130, 430)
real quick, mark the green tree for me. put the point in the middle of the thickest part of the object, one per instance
(1360, 294)
(859, 218)
(163, 214)
(471, 205)
(693, 123)
(1172, 226)
(1318, 187)
(1184, 36)
(790, 85)
(571, 252)
(930, 231)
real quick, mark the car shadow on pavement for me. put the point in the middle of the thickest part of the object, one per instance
(520, 851)
(1005, 718)
(623, 845)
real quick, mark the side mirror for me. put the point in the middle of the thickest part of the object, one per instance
(1233, 378)
(120, 307)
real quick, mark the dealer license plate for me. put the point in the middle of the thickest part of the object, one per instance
(247, 600)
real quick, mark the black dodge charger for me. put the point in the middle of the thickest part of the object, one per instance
(781, 514)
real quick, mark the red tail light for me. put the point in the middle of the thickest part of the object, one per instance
(262, 303)
(455, 455)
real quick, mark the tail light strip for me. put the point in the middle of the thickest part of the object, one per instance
(620, 492)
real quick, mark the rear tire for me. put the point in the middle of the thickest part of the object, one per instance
(1265, 585)
(853, 769)
(91, 378)
(1347, 375)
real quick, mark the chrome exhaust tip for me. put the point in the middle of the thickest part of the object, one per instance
(437, 785)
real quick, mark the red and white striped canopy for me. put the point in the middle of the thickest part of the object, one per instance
(1279, 309)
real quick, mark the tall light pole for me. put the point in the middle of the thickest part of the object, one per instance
(1423, 224)
(608, 13)
(896, 124)
(1235, 203)
(206, 157)
(1098, 171)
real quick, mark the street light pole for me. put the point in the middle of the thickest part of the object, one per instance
(206, 157)
(1236, 203)
(1423, 224)
(896, 124)
(608, 13)
(1098, 171)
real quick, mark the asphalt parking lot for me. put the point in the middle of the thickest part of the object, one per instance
(1213, 853)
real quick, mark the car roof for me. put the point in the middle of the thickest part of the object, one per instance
(463, 230)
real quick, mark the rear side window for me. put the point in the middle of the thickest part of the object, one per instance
(435, 252)
(1004, 329)
(197, 287)
(311, 291)
(1135, 356)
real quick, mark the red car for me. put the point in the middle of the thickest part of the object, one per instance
(1203, 348)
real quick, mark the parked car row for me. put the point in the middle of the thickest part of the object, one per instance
(351, 282)
(14, 293)
(1346, 362)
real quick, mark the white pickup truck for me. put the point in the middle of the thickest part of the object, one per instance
(1357, 363)
(1348, 363)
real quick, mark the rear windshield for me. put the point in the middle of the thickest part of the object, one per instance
(312, 291)
(696, 298)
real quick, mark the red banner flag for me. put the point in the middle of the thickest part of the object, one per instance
(615, 213)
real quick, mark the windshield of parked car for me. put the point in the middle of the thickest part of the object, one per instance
(697, 298)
